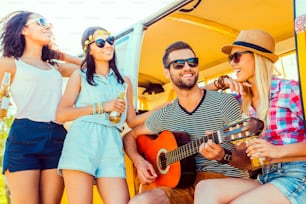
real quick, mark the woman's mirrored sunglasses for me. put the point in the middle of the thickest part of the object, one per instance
(236, 56)
(40, 21)
(180, 63)
(101, 42)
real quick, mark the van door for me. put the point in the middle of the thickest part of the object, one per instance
(300, 30)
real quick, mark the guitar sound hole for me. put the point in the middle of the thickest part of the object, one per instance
(162, 161)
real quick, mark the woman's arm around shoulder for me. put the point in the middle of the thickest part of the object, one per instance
(225, 82)
(71, 59)
(69, 64)
(66, 69)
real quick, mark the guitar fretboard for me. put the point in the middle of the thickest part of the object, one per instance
(189, 149)
(233, 132)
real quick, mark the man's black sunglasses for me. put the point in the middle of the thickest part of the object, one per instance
(180, 63)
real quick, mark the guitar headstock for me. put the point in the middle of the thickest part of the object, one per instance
(242, 129)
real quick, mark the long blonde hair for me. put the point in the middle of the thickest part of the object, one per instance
(264, 69)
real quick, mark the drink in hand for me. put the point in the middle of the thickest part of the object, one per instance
(257, 162)
(114, 116)
(5, 95)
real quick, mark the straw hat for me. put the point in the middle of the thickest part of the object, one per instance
(257, 41)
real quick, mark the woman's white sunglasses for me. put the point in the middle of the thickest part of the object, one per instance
(40, 21)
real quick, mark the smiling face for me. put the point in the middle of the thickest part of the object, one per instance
(186, 77)
(245, 67)
(38, 30)
(105, 53)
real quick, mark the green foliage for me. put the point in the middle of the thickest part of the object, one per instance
(4, 129)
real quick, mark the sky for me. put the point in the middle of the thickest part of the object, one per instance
(71, 17)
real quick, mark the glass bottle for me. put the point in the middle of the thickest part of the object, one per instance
(114, 116)
(5, 95)
(257, 162)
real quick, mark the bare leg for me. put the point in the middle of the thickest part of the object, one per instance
(113, 190)
(264, 194)
(51, 187)
(7, 191)
(79, 187)
(218, 191)
(151, 197)
(24, 186)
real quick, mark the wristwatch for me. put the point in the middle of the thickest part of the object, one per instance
(228, 155)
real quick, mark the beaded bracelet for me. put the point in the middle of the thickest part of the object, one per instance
(99, 108)
(94, 109)
(219, 83)
(216, 84)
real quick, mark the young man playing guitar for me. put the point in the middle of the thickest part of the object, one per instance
(195, 111)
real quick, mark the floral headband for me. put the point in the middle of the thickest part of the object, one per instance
(91, 38)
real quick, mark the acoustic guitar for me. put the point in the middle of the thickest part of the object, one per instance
(171, 153)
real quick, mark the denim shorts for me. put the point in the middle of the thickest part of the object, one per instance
(33, 145)
(289, 178)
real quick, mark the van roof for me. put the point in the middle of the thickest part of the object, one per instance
(207, 25)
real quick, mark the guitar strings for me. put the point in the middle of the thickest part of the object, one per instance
(236, 131)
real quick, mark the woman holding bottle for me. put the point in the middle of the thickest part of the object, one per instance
(93, 148)
(35, 139)
(277, 102)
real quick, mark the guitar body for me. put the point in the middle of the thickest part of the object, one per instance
(171, 153)
(153, 148)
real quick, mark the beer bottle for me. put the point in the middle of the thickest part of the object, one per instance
(5, 95)
(114, 116)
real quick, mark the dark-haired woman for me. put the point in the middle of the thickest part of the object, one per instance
(35, 139)
(93, 147)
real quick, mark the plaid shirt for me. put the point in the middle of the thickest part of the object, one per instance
(285, 124)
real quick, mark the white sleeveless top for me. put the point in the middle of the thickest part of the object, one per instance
(35, 92)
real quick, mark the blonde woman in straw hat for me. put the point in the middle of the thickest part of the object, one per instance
(282, 143)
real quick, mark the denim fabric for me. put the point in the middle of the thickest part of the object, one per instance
(289, 178)
(33, 145)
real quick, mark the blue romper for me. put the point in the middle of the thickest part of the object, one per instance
(93, 144)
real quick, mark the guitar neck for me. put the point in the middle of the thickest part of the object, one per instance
(190, 148)
(235, 131)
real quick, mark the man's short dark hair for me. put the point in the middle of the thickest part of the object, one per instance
(179, 45)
